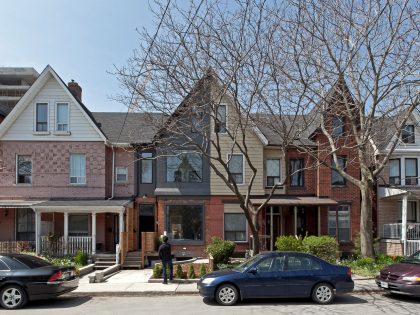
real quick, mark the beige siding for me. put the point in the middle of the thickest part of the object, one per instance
(232, 208)
(272, 153)
(80, 127)
(387, 213)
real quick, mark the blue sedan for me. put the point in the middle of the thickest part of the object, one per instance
(278, 274)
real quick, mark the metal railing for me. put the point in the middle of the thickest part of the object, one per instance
(394, 231)
(57, 245)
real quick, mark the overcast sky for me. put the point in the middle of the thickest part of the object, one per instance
(80, 39)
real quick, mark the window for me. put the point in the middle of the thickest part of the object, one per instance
(235, 227)
(79, 225)
(184, 168)
(196, 121)
(407, 134)
(411, 171)
(41, 117)
(339, 222)
(336, 178)
(77, 169)
(32, 262)
(337, 127)
(411, 211)
(146, 168)
(25, 225)
(24, 169)
(121, 174)
(298, 262)
(236, 167)
(62, 117)
(185, 222)
(296, 171)
(220, 123)
(273, 172)
(394, 172)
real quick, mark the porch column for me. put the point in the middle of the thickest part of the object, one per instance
(319, 220)
(271, 228)
(66, 232)
(93, 233)
(37, 232)
(404, 223)
(295, 219)
(121, 222)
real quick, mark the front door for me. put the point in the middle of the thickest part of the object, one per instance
(146, 219)
(301, 221)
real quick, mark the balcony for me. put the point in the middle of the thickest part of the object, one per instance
(394, 231)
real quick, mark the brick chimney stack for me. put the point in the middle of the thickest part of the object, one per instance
(75, 89)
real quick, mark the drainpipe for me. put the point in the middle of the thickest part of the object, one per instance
(113, 175)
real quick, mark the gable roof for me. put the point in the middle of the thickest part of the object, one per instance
(34, 90)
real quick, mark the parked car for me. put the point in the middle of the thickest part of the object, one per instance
(278, 274)
(25, 278)
(401, 278)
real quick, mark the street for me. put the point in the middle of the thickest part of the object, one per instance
(194, 304)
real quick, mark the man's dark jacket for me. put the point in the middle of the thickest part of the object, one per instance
(165, 252)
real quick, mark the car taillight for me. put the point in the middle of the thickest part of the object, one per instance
(348, 272)
(56, 277)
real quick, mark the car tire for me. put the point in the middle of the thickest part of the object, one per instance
(323, 293)
(13, 297)
(227, 295)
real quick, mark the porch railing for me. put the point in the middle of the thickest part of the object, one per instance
(57, 246)
(394, 230)
(16, 246)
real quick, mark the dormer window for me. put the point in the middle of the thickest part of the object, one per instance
(407, 134)
(220, 123)
(41, 124)
(62, 118)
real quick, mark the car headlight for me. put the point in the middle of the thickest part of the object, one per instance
(411, 278)
(207, 280)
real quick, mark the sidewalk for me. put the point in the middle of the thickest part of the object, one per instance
(135, 283)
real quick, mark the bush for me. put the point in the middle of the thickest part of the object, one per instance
(191, 273)
(179, 273)
(157, 271)
(203, 270)
(221, 250)
(80, 258)
(289, 243)
(324, 247)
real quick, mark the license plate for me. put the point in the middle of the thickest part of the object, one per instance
(384, 285)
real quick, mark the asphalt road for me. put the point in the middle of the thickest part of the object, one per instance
(366, 304)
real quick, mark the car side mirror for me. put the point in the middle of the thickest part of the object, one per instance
(253, 270)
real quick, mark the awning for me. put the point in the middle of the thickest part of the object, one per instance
(99, 205)
(19, 203)
(296, 201)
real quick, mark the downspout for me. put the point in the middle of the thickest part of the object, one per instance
(113, 175)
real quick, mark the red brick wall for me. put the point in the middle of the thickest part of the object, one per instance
(7, 224)
(50, 170)
(125, 158)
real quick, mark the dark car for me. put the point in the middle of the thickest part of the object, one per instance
(25, 278)
(401, 278)
(278, 274)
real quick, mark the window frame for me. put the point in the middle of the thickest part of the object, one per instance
(116, 174)
(183, 240)
(272, 177)
(177, 155)
(391, 179)
(416, 211)
(236, 231)
(80, 233)
(411, 178)
(30, 225)
(216, 128)
(301, 171)
(408, 137)
(77, 177)
(243, 168)
(334, 172)
(338, 130)
(56, 117)
(17, 170)
(36, 117)
(337, 228)
(146, 157)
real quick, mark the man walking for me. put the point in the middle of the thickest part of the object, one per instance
(166, 258)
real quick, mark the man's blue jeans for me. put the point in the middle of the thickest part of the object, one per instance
(166, 263)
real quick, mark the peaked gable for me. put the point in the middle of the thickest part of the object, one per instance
(50, 89)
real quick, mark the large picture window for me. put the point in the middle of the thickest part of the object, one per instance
(336, 178)
(273, 172)
(41, 117)
(235, 227)
(146, 168)
(79, 225)
(236, 167)
(184, 168)
(185, 222)
(25, 225)
(296, 171)
(77, 169)
(411, 171)
(24, 169)
(394, 172)
(339, 222)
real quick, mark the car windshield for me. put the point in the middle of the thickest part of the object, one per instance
(32, 261)
(413, 259)
(247, 263)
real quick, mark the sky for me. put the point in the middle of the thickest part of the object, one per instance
(81, 39)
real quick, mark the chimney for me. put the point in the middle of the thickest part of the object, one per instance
(75, 89)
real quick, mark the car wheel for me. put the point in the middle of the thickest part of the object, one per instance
(227, 294)
(13, 297)
(323, 293)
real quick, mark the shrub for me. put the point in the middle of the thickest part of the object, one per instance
(157, 271)
(203, 270)
(191, 273)
(325, 247)
(221, 250)
(179, 273)
(289, 243)
(365, 262)
(80, 258)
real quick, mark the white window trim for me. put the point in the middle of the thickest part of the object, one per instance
(116, 175)
(246, 227)
(266, 174)
(77, 184)
(17, 170)
(336, 217)
(60, 132)
(243, 167)
(402, 159)
(227, 120)
(40, 133)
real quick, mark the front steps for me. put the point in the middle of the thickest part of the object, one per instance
(132, 260)
(103, 261)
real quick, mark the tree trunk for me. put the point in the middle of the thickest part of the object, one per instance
(366, 226)
(255, 236)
